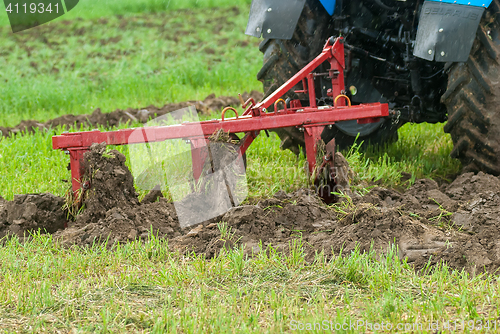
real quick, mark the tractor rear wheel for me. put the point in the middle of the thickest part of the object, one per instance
(473, 100)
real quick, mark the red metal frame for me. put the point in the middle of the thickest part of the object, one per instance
(311, 119)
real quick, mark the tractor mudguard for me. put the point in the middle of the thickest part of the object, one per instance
(278, 18)
(447, 30)
(274, 18)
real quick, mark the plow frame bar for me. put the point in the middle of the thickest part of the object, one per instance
(310, 119)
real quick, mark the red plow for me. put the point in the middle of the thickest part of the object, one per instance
(311, 118)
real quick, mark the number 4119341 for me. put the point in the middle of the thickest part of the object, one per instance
(32, 8)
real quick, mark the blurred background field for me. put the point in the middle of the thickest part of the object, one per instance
(106, 60)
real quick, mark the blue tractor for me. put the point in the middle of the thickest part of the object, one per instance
(432, 61)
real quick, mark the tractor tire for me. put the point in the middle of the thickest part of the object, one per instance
(473, 100)
(284, 58)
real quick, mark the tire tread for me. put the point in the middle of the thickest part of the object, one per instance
(472, 100)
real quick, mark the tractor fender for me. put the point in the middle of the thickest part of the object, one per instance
(274, 18)
(447, 29)
(277, 19)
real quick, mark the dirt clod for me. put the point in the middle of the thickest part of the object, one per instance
(112, 184)
(152, 196)
(112, 209)
(31, 212)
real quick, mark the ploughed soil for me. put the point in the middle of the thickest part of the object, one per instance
(457, 223)
(114, 118)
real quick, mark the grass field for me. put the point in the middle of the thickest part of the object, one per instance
(145, 288)
(119, 54)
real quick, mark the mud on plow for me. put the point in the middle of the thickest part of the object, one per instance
(309, 117)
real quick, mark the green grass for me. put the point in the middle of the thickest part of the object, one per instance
(147, 288)
(422, 150)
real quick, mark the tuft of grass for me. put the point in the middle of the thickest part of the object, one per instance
(423, 150)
